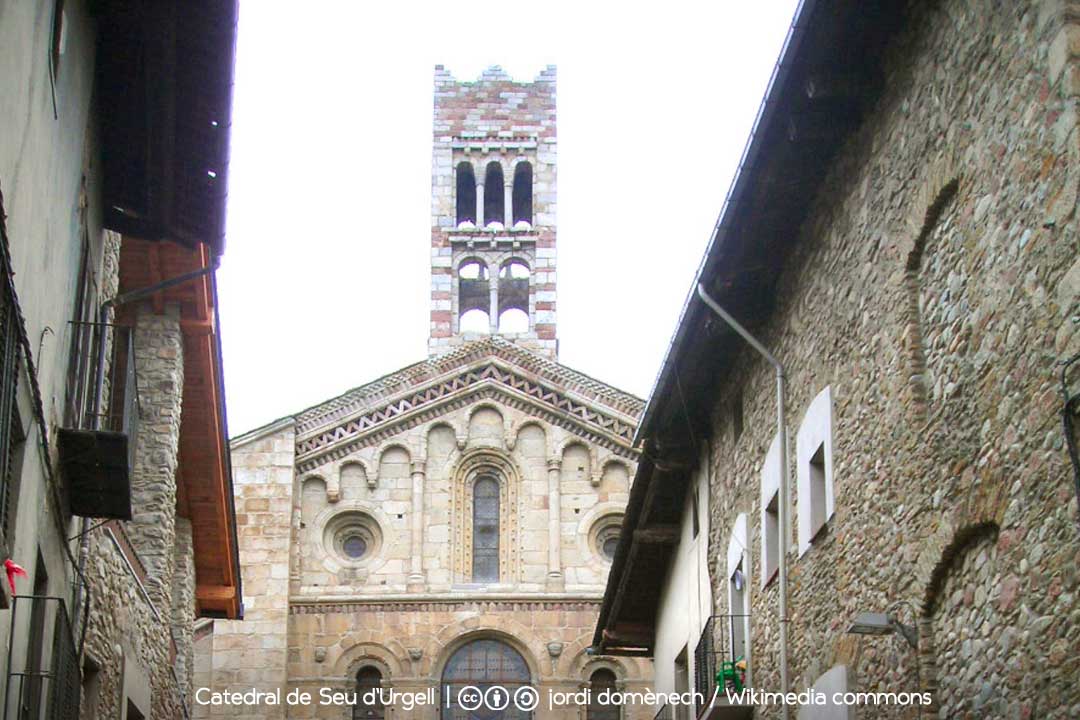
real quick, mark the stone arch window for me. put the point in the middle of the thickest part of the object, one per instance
(494, 196)
(482, 664)
(514, 297)
(466, 194)
(600, 681)
(522, 194)
(475, 466)
(485, 560)
(474, 297)
(369, 704)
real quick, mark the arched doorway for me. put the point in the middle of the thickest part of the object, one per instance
(483, 664)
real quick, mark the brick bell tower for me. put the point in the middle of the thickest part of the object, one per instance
(493, 211)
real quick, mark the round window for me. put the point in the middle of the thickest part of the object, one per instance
(608, 548)
(605, 536)
(354, 546)
(354, 537)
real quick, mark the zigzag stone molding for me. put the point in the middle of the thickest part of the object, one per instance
(486, 382)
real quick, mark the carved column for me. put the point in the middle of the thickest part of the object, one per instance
(555, 575)
(480, 205)
(416, 574)
(508, 202)
(493, 315)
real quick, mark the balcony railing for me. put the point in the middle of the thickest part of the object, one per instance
(719, 651)
(43, 676)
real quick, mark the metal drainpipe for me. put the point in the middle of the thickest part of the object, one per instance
(783, 495)
(99, 387)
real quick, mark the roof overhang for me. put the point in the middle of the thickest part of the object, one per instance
(204, 474)
(164, 103)
(828, 75)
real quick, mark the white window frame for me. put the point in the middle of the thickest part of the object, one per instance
(770, 525)
(738, 552)
(815, 432)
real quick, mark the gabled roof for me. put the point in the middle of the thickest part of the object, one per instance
(492, 368)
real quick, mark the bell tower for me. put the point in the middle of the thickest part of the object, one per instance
(493, 211)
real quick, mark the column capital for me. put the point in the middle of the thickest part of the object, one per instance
(418, 466)
(554, 464)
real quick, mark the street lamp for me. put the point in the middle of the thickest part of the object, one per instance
(870, 623)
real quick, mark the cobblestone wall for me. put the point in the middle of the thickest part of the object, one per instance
(960, 504)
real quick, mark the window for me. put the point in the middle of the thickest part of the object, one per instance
(59, 37)
(11, 431)
(133, 712)
(770, 512)
(695, 521)
(369, 702)
(604, 536)
(466, 194)
(31, 695)
(483, 663)
(522, 193)
(354, 537)
(486, 530)
(474, 298)
(600, 681)
(737, 632)
(815, 469)
(682, 684)
(494, 200)
(85, 346)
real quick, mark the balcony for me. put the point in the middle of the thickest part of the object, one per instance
(97, 462)
(717, 656)
(43, 679)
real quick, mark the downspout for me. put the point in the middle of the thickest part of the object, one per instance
(99, 383)
(783, 495)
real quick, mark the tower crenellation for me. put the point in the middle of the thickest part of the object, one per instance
(493, 216)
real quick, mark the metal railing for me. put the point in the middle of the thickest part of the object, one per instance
(721, 642)
(48, 684)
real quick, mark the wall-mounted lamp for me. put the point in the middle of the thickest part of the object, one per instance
(869, 623)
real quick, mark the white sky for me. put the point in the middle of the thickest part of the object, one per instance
(324, 284)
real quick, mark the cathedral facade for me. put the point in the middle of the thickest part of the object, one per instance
(452, 524)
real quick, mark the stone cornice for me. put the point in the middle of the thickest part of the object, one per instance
(401, 603)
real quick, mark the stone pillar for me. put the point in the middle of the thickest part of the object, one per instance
(183, 608)
(416, 575)
(480, 205)
(555, 575)
(493, 307)
(159, 362)
(508, 201)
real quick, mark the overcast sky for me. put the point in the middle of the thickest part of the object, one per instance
(324, 284)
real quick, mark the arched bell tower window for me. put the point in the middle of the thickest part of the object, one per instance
(369, 704)
(493, 194)
(522, 193)
(474, 298)
(601, 680)
(485, 530)
(466, 193)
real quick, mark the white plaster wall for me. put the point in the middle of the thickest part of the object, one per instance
(686, 603)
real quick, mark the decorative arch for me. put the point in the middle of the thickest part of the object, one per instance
(473, 465)
(517, 426)
(593, 471)
(359, 649)
(501, 630)
(934, 196)
(487, 405)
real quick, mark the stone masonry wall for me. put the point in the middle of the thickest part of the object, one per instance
(952, 492)
(159, 357)
(131, 565)
(251, 653)
(183, 605)
(493, 119)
